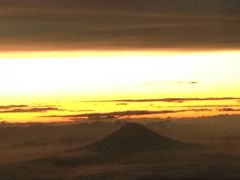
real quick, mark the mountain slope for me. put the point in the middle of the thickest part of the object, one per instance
(133, 138)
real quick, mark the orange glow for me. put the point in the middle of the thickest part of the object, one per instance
(65, 79)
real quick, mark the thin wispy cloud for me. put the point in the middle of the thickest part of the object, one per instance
(200, 106)
(174, 100)
(121, 114)
(82, 110)
(12, 106)
(122, 104)
(27, 109)
(170, 82)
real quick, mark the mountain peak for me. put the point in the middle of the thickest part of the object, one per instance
(133, 138)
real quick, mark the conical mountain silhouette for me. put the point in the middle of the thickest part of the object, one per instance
(132, 138)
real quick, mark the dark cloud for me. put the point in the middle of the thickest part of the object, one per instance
(121, 114)
(111, 114)
(233, 105)
(27, 109)
(193, 82)
(170, 82)
(228, 109)
(174, 100)
(122, 104)
(199, 110)
(117, 24)
(202, 106)
(83, 110)
(12, 106)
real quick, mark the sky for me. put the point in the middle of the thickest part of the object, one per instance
(98, 59)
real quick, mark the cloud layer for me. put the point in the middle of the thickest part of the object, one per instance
(121, 114)
(27, 109)
(173, 100)
(117, 24)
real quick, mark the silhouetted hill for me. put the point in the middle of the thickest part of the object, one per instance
(129, 139)
(133, 138)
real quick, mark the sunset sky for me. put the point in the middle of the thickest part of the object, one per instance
(72, 60)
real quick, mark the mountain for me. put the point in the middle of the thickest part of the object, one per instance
(133, 138)
(129, 139)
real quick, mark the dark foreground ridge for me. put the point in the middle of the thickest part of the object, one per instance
(133, 138)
